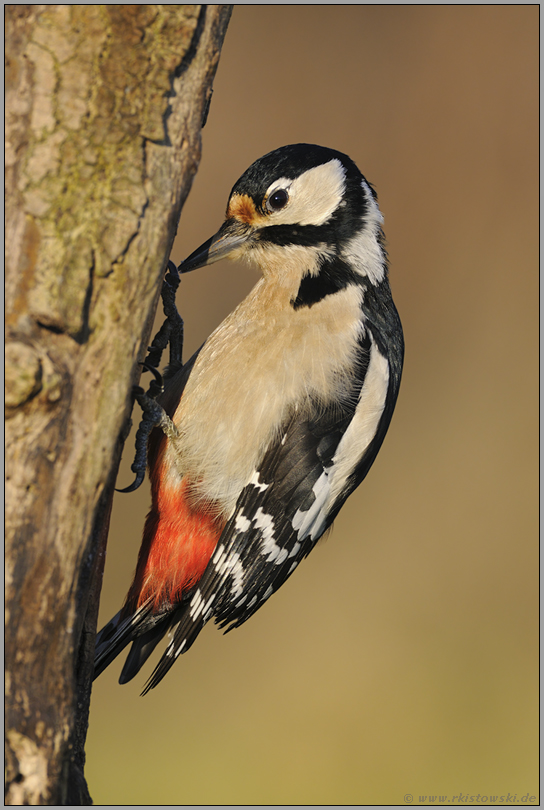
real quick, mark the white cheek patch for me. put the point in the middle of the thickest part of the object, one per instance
(363, 252)
(313, 197)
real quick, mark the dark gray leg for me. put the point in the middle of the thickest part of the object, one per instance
(153, 414)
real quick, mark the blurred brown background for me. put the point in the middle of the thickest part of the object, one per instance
(402, 655)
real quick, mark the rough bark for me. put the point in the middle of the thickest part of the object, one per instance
(104, 110)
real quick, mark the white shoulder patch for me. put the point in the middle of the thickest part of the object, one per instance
(350, 450)
(363, 426)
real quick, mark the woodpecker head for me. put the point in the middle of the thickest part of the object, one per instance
(307, 202)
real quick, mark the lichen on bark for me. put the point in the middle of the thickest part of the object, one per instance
(104, 106)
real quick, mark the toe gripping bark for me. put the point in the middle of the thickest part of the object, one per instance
(154, 415)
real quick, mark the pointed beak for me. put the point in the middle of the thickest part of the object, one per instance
(232, 235)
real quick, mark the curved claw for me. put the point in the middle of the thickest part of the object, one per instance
(138, 481)
(173, 270)
(156, 373)
(157, 386)
(153, 416)
(171, 332)
(139, 464)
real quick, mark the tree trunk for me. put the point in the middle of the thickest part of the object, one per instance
(105, 105)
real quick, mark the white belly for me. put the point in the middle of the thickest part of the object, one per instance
(265, 359)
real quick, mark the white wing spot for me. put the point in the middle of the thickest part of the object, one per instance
(231, 564)
(207, 608)
(219, 557)
(198, 606)
(295, 549)
(293, 566)
(266, 523)
(273, 552)
(235, 569)
(242, 524)
(254, 480)
(181, 646)
(195, 606)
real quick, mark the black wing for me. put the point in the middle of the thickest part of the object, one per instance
(283, 511)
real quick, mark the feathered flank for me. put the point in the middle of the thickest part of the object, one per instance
(278, 417)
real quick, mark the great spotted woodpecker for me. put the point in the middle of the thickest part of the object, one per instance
(278, 417)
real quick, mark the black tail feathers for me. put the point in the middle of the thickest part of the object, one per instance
(143, 628)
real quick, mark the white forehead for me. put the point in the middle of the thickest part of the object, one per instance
(313, 196)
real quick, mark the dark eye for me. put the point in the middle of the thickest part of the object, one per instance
(277, 200)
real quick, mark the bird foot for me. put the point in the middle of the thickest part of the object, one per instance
(153, 414)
